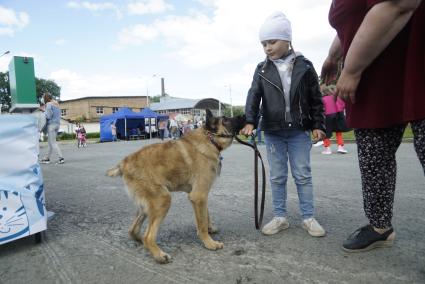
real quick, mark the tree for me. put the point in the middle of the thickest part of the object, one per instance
(237, 110)
(154, 99)
(41, 86)
(4, 91)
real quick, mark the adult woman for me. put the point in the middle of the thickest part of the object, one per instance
(382, 81)
(53, 115)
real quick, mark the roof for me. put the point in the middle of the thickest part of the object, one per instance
(126, 113)
(168, 103)
(103, 97)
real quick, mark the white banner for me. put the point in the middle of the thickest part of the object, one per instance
(22, 203)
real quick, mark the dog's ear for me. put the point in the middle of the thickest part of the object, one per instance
(209, 114)
(209, 121)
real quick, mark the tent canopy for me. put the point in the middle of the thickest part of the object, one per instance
(125, 119)
(122, 113)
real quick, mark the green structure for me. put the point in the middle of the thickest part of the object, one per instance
(22, 84)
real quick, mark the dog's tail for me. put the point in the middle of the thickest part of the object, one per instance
(115, 171)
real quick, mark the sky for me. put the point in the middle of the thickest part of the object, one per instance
(202, 48)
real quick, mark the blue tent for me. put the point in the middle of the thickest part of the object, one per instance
(148, 113)
(124, 119)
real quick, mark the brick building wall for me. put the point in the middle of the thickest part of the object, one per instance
(92, 108)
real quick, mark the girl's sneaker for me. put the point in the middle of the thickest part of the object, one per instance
(276, 225)
(313, 227)
(327, 151)
(45, 161)
(341, 150)
(61, 160)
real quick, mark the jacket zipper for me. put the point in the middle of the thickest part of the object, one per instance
(278, 89)
(301, 111)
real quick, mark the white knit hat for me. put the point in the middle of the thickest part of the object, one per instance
(276, 26)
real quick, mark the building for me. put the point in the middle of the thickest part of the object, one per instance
(191, 108)
(90, 109)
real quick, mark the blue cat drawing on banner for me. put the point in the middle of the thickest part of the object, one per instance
(13, 216)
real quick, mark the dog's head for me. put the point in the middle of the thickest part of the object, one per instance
(224, 126)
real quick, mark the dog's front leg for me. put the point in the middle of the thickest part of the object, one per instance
(199, 202)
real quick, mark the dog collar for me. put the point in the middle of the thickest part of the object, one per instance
(211, 137)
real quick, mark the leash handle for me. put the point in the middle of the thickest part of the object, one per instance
(257, 154)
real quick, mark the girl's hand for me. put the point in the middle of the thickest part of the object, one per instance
(247, 130)
(318, 135)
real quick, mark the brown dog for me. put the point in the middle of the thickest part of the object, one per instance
(188, 164)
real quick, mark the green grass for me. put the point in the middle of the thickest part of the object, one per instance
(349, 136)
(71, 136)
(407, 134)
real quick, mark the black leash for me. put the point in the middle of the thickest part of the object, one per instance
(258, 220)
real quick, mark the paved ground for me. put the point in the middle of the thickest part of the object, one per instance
(87, 239)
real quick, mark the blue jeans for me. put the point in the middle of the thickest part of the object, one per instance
(294, 144)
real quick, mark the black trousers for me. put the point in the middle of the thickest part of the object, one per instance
(378, 167)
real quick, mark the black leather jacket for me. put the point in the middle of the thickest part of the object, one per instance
(307, 111)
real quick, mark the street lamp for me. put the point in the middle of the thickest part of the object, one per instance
(7, 52)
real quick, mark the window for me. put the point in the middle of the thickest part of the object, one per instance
(185, 111)
(114, 109)
(63, 112)
(99, 110)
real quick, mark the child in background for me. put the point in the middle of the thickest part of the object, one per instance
(287, 87)
(335, 119)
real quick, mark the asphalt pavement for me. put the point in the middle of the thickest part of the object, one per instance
(87, 239)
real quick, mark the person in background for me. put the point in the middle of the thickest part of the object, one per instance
(287, 87)
(114, 131)
(187, 127)
(174, 128)
(335, 119)
(382, 82)
(53, 116)
(161, 126)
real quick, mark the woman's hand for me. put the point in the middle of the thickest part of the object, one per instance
(330, 66)
(329, 70)
(247, 130)
(347, 85)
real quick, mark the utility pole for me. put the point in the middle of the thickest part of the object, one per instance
(231, 104)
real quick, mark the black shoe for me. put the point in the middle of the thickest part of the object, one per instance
(61, 161)
(366, 238)
(45, 161)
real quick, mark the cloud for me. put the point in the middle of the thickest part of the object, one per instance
(11, 21)
(137, 35)
(60, 41)
(76, 85)
(229, 33)
(148, 7)
(96, 7)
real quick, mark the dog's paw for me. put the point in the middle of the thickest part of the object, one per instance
(212, 229)
(213, 245)
(163, 258)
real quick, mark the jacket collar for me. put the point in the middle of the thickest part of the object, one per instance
(270, 72)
